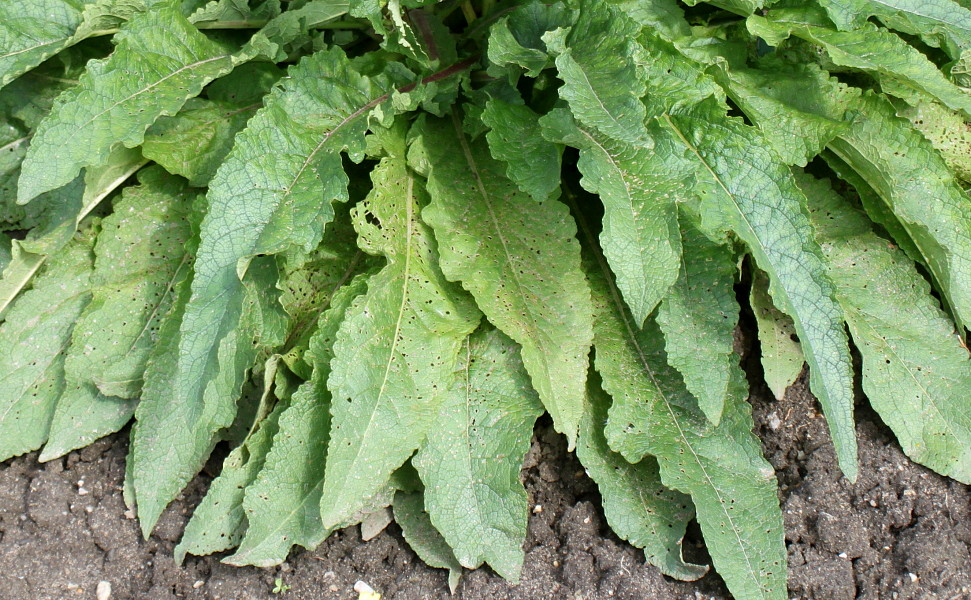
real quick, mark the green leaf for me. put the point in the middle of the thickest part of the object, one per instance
(396, 352)
(698, 318)
(286, 169)
(639, 187)
(424, 539)
(196, 141)
(517, 40)
(83, 415)
(869, 48)
(916, 185)
(30, 32)
(160, 62)
(638, 507)
(219, 521)
(916, 372)
(470, 466)
(514, 138)
(596, 59)
(33, 340)
(939, 23)
(798, 108)
(175, 430)
(664, 16)
(721, 467)
(746, 190)
(521, 265)
(782, 358)
(140, 258)
(64, 210)
(946, 130)
(283, 504)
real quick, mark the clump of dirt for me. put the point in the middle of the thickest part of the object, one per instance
(901, 532)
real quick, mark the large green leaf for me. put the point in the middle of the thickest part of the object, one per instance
(521, 265)
(396, 351)
(514, 138)
(140, 258)
(745, 189)
(33, 341)
(640, 188)
(175, 431)
(916, 185)
(470, 466)
(721, 467)
(283, 504)
(916, 372)
(286, 169)
(637, 506)
(160, 62)
(63, 211)
(597, 60)
(83, 415)
(698, 318)
(870, 48)
(940, 23)
(30, 32)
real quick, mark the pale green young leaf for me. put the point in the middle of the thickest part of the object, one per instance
(514, 138)
(782, 358)
(869, 48)
(140, 258)
(596, 59)
(721, 467)
(33, 340)
(915, 183)
(916, 372)
(424, 539)
(939, 23)
(745, 189)
(236, 13)
(396, 351)
(283, 504)
(160, 62)
(698, 317)
(521, 265)
(176, 431)
(218, 523)
(639, 187)
(636, 504)
(83, 415)
(470, 466)
(286, 169)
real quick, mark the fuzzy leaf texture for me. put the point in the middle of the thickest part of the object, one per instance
(33, 342)
(521, 266)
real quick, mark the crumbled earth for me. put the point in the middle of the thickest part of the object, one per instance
(901, 532)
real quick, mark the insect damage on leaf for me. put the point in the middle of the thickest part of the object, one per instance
(367, 244)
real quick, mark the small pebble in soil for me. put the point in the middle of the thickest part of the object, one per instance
(103, 591)
(537, 509)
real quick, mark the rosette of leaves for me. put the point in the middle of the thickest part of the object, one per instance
(368, 244)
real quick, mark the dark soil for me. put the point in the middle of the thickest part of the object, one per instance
(901, 532)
